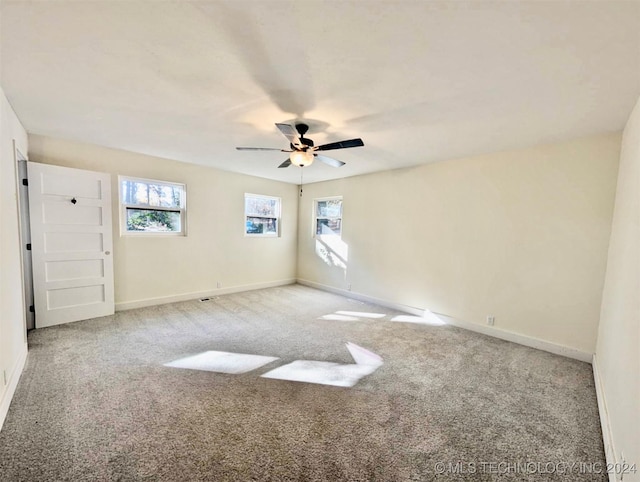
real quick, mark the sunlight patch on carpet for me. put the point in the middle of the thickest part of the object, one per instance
(329, 373)
(222, 362)
(351, 316)
(336, 317)
(428, 318)
(361, 314)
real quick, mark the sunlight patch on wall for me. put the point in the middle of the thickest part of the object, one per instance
(222, 362)
(333, 251)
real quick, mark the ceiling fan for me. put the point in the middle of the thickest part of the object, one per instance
(303, 151)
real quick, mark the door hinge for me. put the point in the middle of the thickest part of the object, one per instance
(32, 309)
(25, 182)
(28, 246)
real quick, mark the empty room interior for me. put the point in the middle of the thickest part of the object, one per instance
(320, 240)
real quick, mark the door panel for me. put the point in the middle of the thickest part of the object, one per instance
(74, 296)
(74, 269)
(71, 237)
(72, 214)
(60, 185)
(70, 242)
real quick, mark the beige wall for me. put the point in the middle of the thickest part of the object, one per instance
(152, 269)
(618, 350)
(13, 343)
(520, 235)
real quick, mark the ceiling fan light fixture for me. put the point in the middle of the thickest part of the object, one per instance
(301, 158)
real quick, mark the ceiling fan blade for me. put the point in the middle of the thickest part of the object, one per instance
(340, 145)
(290, 133)
(330, 161)
(262, 149)
(286, 163)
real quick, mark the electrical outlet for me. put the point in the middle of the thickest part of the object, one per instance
(219, 284)
(491, 320)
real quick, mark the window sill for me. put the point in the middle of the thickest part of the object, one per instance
(249, 235)
(144, 234)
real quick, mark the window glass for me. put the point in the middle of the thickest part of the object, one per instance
(261, 206)
(261, 225)
(152, 221)
(329, 208)
(328, 220)
(152, 206)
(262, 215)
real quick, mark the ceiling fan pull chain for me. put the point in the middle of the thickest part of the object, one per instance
(301, 171)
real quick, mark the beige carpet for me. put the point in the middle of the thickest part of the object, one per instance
(96, 402)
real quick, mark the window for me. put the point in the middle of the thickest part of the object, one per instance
(261, 215)
(328, 217)
(148, 206)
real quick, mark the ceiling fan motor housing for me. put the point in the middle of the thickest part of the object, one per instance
(307, 142)
(302, 130)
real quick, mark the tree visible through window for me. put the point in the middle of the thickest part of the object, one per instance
(328, 213)
(262, 214)
(152, 206)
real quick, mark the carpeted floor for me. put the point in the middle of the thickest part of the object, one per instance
(96, 403)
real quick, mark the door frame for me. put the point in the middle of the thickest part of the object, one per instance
(24, 236)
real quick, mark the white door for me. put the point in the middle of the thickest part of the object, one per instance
(71, 237)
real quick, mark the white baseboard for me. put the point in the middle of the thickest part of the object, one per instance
(12, 384)
(360, 297)
(485, 330)
(525, 340)
(130, 305)
(607, 437)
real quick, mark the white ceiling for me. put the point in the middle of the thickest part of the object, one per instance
(418, 81)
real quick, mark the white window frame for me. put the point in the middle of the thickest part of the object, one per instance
(277, 216)
(123, 208)
(314, 226)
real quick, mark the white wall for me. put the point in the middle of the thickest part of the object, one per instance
(215, 249)
(520, 235)
(617, 357)
(13, 343)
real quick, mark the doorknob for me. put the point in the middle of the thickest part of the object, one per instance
(107, 253)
